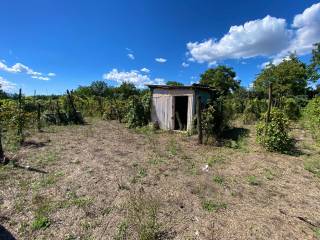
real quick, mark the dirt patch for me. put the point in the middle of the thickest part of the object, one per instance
(87, 174)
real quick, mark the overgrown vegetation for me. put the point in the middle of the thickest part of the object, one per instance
(273, 135)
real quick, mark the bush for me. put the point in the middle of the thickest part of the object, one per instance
(138, 111)
(291, 108)
(215, 118)
(274, 136)
(311, 116)
(253, 110)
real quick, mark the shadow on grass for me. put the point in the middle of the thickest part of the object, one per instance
(235, 133)
(34, 144)
(5, 234)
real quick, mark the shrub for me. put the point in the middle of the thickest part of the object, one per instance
(253, 110)
(274, 135)
(214, 120)
(291, 108)
(311, 116)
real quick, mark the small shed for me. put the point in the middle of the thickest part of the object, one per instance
(173, 107)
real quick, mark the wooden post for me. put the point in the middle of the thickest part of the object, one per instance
(20, 118)
(74, 112)
(269, 104)
(2, 158)
(199, 126)
(39, 117)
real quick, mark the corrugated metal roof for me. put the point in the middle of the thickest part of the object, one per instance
(193, 86)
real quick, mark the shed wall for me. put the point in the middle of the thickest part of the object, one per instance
(163, 107)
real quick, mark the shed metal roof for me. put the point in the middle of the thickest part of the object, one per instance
(192, 87)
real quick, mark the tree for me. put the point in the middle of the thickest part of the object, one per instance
(314, 67)
(221, 78)
(126, 89)
(289, 78)
(174, 83)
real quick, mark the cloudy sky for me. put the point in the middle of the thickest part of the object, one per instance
(53, 45)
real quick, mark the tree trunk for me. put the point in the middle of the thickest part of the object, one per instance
(199, 126)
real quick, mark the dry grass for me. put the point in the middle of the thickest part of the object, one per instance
(102, 181)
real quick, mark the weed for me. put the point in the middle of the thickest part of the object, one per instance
(142, 172)
(269, 174)
(143, 216)
(80, 202)
(215, 160)
(313, 166)
(317, 232)
(212, 206)
(218, 179)
(106, 211)
(40, 222)
(121, 231)
(253, 180)
(173, 148)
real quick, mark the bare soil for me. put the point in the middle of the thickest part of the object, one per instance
(80, 178)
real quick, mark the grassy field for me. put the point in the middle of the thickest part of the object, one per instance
(103, 181)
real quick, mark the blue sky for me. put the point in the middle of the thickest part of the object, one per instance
(53, 45)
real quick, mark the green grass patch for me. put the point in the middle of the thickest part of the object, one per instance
(317, 232)
(269, 174)
(313, 166)
(213, 206)
(122, 230)
(253, 180)
(173, 147)
(213, 160)
(40, 222)
(218, 179)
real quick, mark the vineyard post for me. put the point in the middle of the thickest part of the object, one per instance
(20, 118)
(2, 158)
(199, 127)
(269, 104)
(39, 117)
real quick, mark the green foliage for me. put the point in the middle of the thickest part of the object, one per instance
(289, 78)
(215, 118)
(313, 166)
(221, 78)
(174, 83)
(274, 135)
(213, 206)
(291, 108)
(136, 115)
(253, 110)
(253, 180)
(311, 117)
(40, 222)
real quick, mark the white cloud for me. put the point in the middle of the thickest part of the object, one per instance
(146, 70)
(21, 68)
(262, 37)
(131, 56)
(307, 31)
(132, 76)
(184, 64)
(161, 60)
(51, 74)
(268, 37)
(6, 85)
(41, 78)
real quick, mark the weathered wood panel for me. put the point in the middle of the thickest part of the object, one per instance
(162, 111)
(163, 107)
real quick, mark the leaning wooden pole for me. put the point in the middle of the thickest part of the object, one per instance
(39, 117)
(20, 118)
(199, 126)
(269, 104)
(2, 158)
